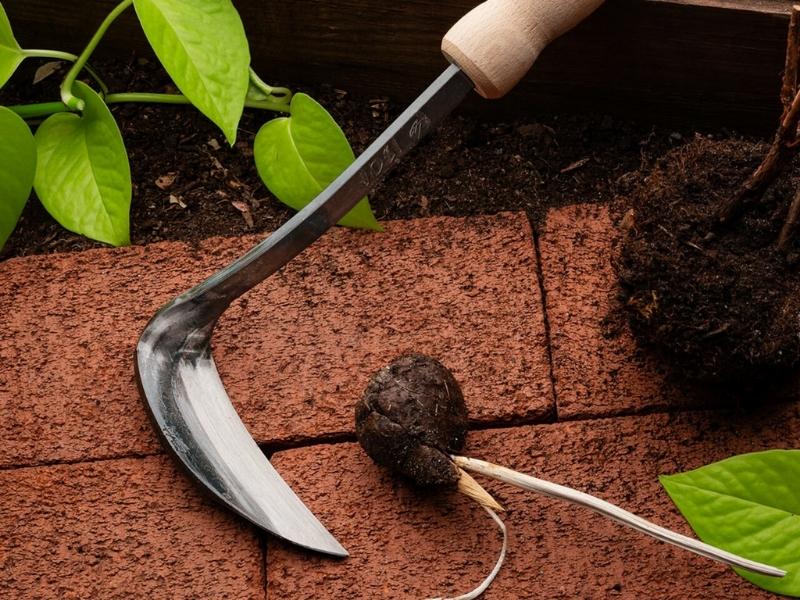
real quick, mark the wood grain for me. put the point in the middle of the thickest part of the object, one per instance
(698, 61)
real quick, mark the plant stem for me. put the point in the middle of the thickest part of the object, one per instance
(284, 94)
(35, 111)
(140, 98)
(553, 490)
(790, 225)
(784, 145)
(260, 83)
(57, 54)
(66, 56)
(67, 96)
(783, 148)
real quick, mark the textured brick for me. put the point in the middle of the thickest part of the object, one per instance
(294, 353)
(598, 368)
(130, 528)
(406, 544)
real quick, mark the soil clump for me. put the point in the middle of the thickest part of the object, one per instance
(722, 300)
(411, 418)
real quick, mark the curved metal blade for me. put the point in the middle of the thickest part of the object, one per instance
(199, 424)
(176, 372)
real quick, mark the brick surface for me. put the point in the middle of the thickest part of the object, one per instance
(130, 528)
(405, 544)
(294, 354)
(598, 368)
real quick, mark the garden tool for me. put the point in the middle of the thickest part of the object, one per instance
(490, 50)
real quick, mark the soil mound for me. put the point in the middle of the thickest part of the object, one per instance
(723, 301)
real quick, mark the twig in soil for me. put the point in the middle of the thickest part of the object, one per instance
(718, 331)
(789, 85)
(667, 231)
(553, 490)
(782, 149)
(784, 145)
(790, 225)
(696, 247)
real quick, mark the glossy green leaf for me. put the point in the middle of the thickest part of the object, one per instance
(298, 156)
(748, 505)
(17, 167)
(83, 178)
(203, 47)
(11, 55)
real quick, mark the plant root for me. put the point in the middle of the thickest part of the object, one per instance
(615, 513)
(498, 565)
(790, 226)
(785, 144)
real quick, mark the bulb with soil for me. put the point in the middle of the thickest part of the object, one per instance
(412, 419)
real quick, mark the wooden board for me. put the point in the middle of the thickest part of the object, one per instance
(686, 61)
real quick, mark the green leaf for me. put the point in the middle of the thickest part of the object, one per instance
(748, 505)
(299, 156)
(83, 178)
(17, 167)
(203, 47)
(11, 55)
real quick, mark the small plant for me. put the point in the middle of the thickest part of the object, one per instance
(709, 262)
(77, 162)
(412, 419)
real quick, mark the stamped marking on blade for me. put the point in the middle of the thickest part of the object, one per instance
(379, 165)
(393, 151)
(420, 128)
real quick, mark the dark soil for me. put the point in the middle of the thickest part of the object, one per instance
(723, 302)
(188, 185)
(411, 418)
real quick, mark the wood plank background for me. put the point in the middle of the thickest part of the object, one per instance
(699, 62)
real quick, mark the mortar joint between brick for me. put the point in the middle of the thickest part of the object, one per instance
(264, 548)
(546, 320)
(78, 461)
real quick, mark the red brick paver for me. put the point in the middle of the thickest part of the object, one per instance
(120, 529)
(405, 544)
(294, 354)
(598, 368)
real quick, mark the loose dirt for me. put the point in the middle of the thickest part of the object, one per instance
(189, 185)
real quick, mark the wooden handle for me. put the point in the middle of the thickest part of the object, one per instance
(496, 43)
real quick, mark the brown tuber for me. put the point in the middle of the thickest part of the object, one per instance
(411, 418)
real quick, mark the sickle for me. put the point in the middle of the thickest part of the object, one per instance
(492, 47)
